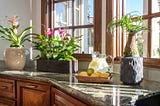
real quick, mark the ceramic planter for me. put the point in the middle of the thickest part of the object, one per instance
(15, 58)
(131, 71)
(57, 66)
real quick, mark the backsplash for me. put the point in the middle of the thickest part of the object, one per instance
(30, 65)
(149, 73)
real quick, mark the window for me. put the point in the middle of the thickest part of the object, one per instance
(149, 47)
(79, 17)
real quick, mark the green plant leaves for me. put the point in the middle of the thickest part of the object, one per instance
(16, 40)
(56, 47)
(130, 22)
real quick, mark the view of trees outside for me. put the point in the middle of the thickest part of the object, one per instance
(141, 7)
(77, 20)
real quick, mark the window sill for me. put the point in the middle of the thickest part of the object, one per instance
(147, 62)
(83, 57)
(151, 62)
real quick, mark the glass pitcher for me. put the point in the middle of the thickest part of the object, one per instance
(99, 62)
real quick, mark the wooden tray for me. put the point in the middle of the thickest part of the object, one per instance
(93, 79)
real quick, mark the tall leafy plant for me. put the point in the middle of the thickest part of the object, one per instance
(11, 34)
(132, 24)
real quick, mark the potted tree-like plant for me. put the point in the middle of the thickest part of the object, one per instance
(15, 56)
(56, 51)
(131, 69)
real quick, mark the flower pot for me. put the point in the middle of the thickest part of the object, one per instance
(131, 70)
(15, 58)
(57, 66)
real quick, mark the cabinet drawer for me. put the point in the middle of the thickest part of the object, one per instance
(7, 88)
(7, 102)
(62, 99)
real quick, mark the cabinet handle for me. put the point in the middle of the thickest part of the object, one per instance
(3, 87)
(31, 86)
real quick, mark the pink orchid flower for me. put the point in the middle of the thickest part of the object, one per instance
(62, 31)
(50, 32)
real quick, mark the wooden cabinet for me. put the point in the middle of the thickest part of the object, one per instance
(7, 88)
(33, 94)
(25, 92)
(7, 92)
(7, 102)
(60, 98)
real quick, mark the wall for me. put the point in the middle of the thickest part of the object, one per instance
(29, 12)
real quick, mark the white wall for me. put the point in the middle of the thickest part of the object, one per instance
(27, 10)
(103, 26)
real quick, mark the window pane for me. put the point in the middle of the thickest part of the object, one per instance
(155, 6)
(140, 6)
(155, 37)
(63, 14)
(87, 42)
(83, 12)
(142, 41)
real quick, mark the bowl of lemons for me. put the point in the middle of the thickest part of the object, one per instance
(93, 76)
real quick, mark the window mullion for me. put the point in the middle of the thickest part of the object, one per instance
(43, 14)
(149, 33)
(97, 25)
(117, 29)
(73, 7)
(49, 13)
(109, 38)
(122, 39)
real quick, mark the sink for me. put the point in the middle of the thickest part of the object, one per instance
(149, 101)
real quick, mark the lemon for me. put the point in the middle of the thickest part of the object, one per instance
(104, 75)
(95, 75)
(83, 73)
(90, 71)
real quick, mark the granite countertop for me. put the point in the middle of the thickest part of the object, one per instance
(113, 93)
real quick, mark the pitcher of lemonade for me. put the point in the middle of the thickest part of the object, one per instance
(101, 62)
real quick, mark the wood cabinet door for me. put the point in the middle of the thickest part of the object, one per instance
(33, 94)
(60, 98)
(7, 102)
(7, 88)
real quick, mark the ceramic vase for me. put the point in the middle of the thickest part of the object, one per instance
(15, 58)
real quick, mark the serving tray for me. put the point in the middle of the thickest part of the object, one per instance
(93, 79)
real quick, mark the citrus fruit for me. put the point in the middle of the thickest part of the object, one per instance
(95, 75)
(90, 71)
(83, 73)
(104, 75)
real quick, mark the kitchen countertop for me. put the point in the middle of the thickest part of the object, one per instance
(113, 93)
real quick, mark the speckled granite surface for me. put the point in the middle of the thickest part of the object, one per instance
(113, 93)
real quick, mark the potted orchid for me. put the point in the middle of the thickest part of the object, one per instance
(15, 55)
(56, 47)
